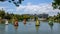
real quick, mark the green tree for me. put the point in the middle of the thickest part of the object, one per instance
(56, 4)
(17, 3)
(7, 16)
(2, 13)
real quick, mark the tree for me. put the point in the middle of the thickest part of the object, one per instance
(56, 4)
(2, 13)
(16, 2)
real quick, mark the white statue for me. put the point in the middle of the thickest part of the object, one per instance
(6, 22)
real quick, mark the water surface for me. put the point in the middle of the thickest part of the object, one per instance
(30, 28)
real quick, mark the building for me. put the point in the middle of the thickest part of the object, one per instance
(43, 15)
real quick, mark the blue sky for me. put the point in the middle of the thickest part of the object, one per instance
(36, 1)
(30, 7)
(7, 4)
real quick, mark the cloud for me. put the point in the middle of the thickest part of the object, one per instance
(32, 9)
(8, 9)
(37, 9)
(2, 8)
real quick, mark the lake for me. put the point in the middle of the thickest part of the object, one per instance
(30, 28)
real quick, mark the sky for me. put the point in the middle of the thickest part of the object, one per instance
(30, 7)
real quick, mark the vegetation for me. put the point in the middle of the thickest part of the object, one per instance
(56, 4)
(55, 18)
(11, 16)
(17, 3)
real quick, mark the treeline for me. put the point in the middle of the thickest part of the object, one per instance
(9, 16)
(55, 18)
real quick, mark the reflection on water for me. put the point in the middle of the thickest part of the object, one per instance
(37, 28)
(2, 28)
(51, 26)
(44, 28)
(6, 28)
(16, 27)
